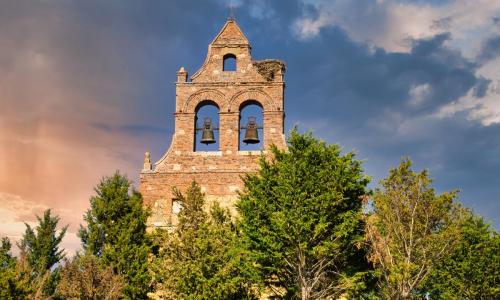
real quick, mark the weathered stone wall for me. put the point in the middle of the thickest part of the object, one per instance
(218, 173)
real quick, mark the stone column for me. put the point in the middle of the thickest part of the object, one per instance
(229, 132)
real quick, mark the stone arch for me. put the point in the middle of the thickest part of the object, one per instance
(256, 95)
(195, 99)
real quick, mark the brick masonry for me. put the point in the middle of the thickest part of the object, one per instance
(219, 172)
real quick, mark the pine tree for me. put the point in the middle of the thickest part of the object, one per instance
(40, 253)
(301, 217)
(12, 285)
(116, 233)
(201, 258)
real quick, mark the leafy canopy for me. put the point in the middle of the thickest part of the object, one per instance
(85, 277)
(472, 271)
(301, 217)
(410, 230)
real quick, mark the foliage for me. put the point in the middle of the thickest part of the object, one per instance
(42, 247)
(13, 285)
(472, 271)
(410, 230)
(39, 255)
(86, 277)
(301, 217)
(116, 232)
(201, 258)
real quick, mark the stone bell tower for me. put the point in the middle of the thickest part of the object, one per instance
(218, 172)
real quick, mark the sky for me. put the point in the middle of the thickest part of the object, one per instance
(86, 87)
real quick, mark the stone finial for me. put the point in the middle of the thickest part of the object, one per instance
(147, 162)
(182, 75)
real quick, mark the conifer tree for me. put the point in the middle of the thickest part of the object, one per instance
(12, 285)
(301, 218)
(201, 258)
(116, 233)
(40, 253)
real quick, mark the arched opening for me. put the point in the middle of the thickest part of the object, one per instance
(251, 122)
(206, 122)
(229, 62)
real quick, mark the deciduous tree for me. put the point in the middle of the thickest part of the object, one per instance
(301, 217)
(410, 230)
(85, 277)
(473, 269)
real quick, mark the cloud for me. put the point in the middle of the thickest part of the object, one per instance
(419, 94)
(469, 28)
(388, 24)
(16, 212)
(490, 50)
(65, 67)
(86, 87)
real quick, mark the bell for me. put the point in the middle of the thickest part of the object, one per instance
(251, 133)
(207, 136)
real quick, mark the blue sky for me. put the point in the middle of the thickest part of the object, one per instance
(86, 87)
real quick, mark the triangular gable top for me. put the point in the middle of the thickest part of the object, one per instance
(230, 34)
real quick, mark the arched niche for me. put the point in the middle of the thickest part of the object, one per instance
(247, 110)
(206, 110)
(202, 95)
(229, 63)
(259, 96)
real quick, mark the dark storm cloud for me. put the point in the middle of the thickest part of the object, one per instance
(361, 97)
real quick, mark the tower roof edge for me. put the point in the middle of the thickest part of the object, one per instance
(230, 34)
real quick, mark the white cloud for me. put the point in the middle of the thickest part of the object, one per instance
(484, 109)
(419, 94)
(391, 25)
(16, 211)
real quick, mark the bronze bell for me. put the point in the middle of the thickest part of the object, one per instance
(207, 136)
(251, 133)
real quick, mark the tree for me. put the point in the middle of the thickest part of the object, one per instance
(301, 218)
(116, 233)
(410, 230)
(201, 258)
(12, 285)
(85, 277)
(472, 271)
(40, 253)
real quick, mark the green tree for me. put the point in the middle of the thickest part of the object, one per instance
(116, 233)
(40, 252)
(85, 277)
(201, 258)
(301, 217)
(410, 230)
(472, 271)
(12, 285)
